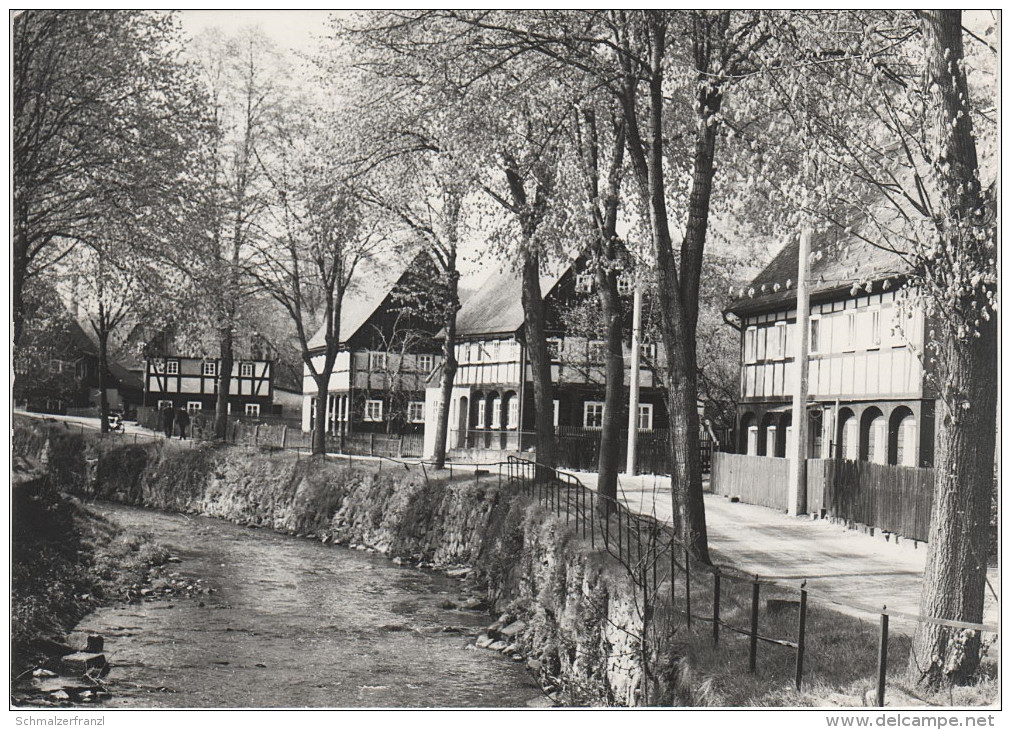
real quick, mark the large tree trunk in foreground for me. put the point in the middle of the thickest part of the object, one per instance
(540, 364)
(678, 297)
(954, 581)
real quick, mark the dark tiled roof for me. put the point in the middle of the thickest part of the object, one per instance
(370, 286)
(839, 263)
(85, 345)
(496, 308)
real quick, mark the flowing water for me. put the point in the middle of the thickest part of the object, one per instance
(293, 623)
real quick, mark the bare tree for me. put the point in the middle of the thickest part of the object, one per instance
(323, 234)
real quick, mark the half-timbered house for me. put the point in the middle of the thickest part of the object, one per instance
(869, 395)
(492, 403)
(387, 351)
(191, 384)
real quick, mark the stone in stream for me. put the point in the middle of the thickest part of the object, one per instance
(82, 662)
(458, 572)
(497, 645)
(483, 641)
(96, 644)
(513, 629)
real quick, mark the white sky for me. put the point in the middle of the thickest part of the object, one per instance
(291, 29)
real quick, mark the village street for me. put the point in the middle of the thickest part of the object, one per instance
(859, 571)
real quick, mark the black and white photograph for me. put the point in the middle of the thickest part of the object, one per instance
(516, 360)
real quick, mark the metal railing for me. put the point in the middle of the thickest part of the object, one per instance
(653, 554)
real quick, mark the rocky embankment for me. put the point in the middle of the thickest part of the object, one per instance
(563, 609)
(66, 560)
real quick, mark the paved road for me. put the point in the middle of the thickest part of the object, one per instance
(845, 565)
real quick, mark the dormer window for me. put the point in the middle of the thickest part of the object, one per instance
(626, 287)
(584, 283)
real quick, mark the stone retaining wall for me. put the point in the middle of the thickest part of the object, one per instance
(580, 620)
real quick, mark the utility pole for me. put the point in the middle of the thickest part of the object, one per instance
(796, 499)
(633, 381)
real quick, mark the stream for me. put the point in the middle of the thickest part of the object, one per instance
(294, 623)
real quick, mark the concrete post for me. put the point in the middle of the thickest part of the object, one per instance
(633, 382)
(796, 500)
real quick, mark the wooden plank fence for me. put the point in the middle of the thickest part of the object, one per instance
(897, 499)
(891, 498)
(753, 479)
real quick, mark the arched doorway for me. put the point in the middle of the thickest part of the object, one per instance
(493, 416)
(847, 435)
(873, 436)
(902, 437)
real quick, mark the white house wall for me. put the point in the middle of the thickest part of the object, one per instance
(846, 362)
(339, 376)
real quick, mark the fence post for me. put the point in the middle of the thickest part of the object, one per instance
(716, 606)
(372, 444)
(284, 437)
(882, 657)
(801, 626)
(256, 435)
(753, 648)
(688, 587)
(400, 447)
(593, 524)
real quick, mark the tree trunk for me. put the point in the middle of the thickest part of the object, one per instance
(103, 385)
(954, 581)
(677, 326)
(224, 384)
(535, 333)
(319, 427)
(608, 460)
(449, 368)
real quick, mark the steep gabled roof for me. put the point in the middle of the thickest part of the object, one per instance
(85, 345)
(497, 307)
(371, 284)
(839, 263)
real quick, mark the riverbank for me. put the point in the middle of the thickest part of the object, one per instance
(570, 612)
(67, 560)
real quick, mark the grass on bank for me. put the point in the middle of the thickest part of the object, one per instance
(66, 559)
(840, 659)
